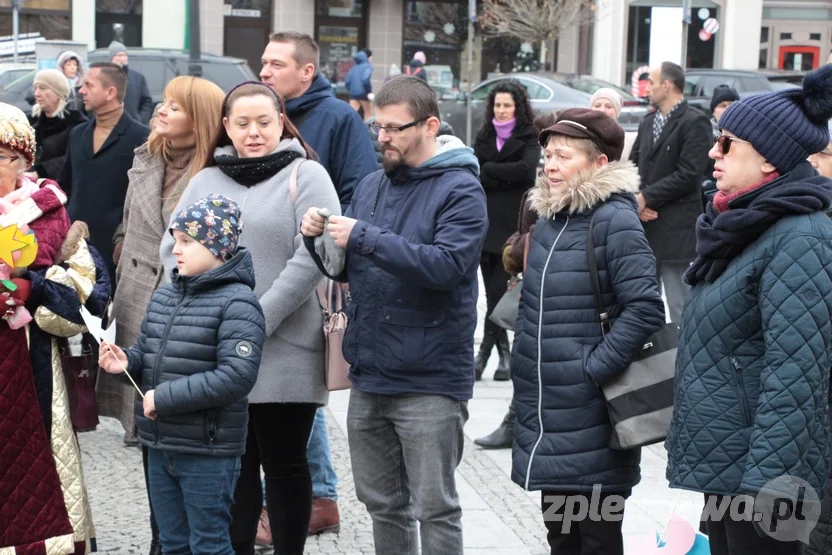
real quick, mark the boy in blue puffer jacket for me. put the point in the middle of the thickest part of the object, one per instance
(196, 360)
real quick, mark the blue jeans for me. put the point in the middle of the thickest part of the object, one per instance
(404, 451)
(324, 479)
(192, 494)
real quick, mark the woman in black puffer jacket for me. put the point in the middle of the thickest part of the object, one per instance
(507, 149)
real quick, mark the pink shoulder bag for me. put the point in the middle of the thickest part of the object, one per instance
(335, 320)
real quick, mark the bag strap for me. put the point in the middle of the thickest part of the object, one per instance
(325, 291)
(595, 278)
(293, 182)
(526, 247)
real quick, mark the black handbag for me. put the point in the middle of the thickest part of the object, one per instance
(640, 400)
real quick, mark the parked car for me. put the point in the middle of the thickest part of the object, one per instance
(158, 66)
(11, 72)
(700, 83)
(547, 91)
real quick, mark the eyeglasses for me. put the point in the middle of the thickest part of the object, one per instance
(724, 142)
(376, 128)
(6, 160)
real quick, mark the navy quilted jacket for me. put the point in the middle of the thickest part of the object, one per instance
(752, 372)
(199, 348)
(562, 431)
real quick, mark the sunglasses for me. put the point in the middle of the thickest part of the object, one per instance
(724, 142)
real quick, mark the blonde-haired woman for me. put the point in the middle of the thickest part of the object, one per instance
(179, 146)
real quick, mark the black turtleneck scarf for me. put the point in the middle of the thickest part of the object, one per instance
(251, 171)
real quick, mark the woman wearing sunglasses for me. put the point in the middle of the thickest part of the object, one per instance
(755, 348)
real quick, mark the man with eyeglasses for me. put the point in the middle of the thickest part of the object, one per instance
(412, 239)
(671, 153)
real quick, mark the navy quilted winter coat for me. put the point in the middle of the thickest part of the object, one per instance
(752, 372)
(199, 348)
(562, 431)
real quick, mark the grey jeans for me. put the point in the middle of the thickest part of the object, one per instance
(404, 451)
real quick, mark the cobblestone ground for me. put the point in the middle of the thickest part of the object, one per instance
(116, 488)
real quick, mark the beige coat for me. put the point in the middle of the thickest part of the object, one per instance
(139, 271)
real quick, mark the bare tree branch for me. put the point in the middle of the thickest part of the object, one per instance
(534, 20)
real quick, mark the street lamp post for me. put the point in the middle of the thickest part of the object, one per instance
(472, 15)
(194, 47)
(15, 24)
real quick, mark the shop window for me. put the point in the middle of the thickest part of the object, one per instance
(119, 20)
(49, 19)
(339, 8)
(341, 31)
(764, 34)
(814, 36)
(785, 36)
(763, 58)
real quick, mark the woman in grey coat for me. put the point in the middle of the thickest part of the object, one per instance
(257, 151)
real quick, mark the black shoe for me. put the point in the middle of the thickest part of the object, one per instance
(482, 356)
(501, 438)
(155, 548)
(503, 372)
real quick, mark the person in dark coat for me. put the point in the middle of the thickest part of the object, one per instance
(53, 119)
(416, 67)
(514, 255)
(196, 360)
(561, 357)
(334, 131)
(671, 152)
(751, 406)
(411, 239)
(98, 157)
(359, 82)
(137, 100)
(508, 152)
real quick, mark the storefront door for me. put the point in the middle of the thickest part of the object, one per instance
(247, 28)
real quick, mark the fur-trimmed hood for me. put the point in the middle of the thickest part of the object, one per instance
(586, 191)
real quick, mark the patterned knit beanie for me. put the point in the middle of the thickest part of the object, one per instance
(786, 126)
(214, 222)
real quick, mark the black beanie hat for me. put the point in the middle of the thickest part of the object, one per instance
(723, 93)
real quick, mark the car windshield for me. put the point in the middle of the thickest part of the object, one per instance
(590, 84)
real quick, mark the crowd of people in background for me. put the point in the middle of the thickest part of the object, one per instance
(206, 238)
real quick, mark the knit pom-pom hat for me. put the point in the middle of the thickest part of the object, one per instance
(786, 126)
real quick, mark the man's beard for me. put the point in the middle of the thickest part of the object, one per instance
(390, 163)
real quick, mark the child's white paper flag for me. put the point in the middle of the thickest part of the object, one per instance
(108, 336)
(93, 324)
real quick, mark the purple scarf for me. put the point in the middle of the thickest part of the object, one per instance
(503, 131)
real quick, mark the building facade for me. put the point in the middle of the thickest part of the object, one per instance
(627, 34)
